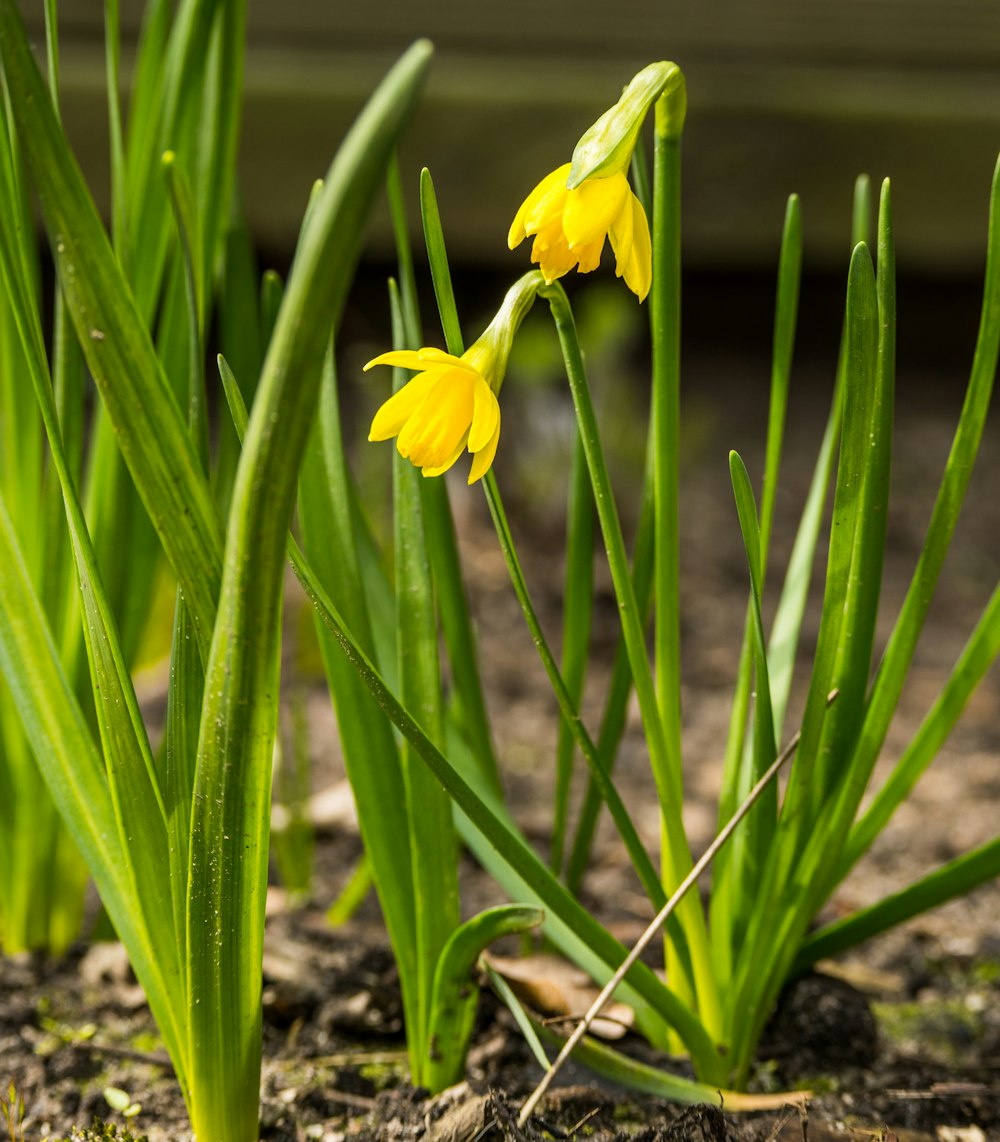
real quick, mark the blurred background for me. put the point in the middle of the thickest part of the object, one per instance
(784, 95)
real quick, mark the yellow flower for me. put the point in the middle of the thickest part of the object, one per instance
(447, 407)
(570, 227)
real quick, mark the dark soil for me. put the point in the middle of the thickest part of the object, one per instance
(901, 1038)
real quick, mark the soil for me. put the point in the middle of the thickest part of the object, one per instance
(898, 1039)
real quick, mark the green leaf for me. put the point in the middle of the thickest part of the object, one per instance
(433, 844)
(954, 878)
(456, 618)
(433, 849)
(75, 775)
(230, 809)
(950, 498)
(370, 752)
(119, 352)
(455, 997)
(728, 895)
(754, 837)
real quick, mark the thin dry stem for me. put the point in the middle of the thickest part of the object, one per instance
(655, 925)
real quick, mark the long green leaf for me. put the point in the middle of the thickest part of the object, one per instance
(955, 878)
(73, 769)
(456, 618)
(120, 354)
(754, 838)
(433, 844)
(430, 828)
(951, 495)
(232, 784)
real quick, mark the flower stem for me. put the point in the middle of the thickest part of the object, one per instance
(665, 329)
(643, 866)
(665, 317)
(676, 854)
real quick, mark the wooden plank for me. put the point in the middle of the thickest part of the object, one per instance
(938, 33)
(784, 95)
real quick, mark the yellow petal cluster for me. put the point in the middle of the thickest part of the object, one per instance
(447, 407)
(570, 227)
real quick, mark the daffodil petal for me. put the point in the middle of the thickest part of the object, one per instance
(545, 203)
(482, 460)
(401, 358)
(416, 359)
(633, 248)
(641, 263)
(442, 468)
(485, 414)
(517, 233)
(398, 409)
(434, 356)
(589, 257)
(553, 258)
(621, 238)
(592, 208)
(519, 228)
(440, 422)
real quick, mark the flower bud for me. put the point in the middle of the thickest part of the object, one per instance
(606, 148)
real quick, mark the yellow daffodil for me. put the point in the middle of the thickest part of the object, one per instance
(447, 407)
(570, 227)
(578, 206)
(451, 404)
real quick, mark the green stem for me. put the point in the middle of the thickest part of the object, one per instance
(620, 686)
(571, 718)
(578, 592)
(665, 315)
(676, 854)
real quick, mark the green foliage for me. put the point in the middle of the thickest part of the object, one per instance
(726, 965)
(12, 1112)
(177, 844)
(177, 839)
